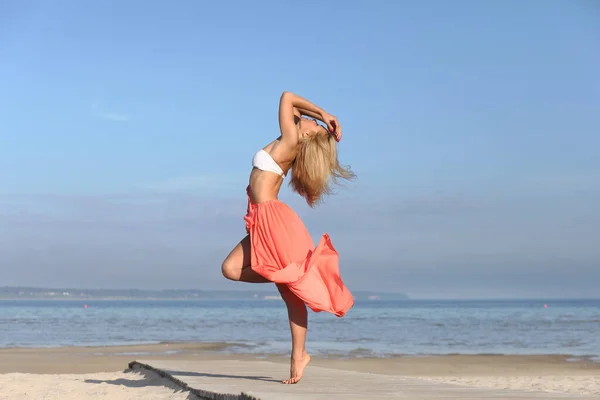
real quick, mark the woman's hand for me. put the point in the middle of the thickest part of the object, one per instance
(333, 125)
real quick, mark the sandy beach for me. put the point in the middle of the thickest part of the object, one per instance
(100, 372)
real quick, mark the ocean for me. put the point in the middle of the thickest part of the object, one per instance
(371, 328)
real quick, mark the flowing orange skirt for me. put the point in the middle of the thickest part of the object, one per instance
(282, 251)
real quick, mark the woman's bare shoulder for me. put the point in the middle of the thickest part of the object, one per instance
(281, 151)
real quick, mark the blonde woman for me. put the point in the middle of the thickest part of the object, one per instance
(278, 248)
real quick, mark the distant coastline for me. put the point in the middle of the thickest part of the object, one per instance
(41, 293)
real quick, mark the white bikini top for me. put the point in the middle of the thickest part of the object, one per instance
(263, 161)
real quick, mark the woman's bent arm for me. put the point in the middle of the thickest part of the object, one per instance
(288, 103)
(309, 113)
(303, 105)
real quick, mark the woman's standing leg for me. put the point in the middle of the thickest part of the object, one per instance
(298, 317)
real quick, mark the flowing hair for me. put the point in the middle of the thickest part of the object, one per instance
(316, 166)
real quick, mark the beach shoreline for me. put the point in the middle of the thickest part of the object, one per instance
(86, 359)
(242, 349)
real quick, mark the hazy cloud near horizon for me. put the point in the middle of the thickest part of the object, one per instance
(522, 240)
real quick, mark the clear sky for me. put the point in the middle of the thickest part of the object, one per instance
(127, 131)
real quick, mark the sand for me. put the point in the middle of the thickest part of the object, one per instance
(105, 385)
(571, 384)
(99, 372)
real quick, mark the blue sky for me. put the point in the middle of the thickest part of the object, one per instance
(127, 131)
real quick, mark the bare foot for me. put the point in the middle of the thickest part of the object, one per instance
(297, 368)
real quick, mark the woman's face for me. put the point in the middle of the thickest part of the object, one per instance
(308, 127)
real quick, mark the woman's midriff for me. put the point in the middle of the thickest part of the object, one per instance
(264, 186)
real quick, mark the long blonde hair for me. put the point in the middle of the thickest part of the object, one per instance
(316, 166)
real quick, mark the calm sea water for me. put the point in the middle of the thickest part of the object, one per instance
(372, 328)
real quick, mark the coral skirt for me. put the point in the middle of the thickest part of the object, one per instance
(282, 251)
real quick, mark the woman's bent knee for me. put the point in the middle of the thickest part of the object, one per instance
(236, 260)
(230, 271)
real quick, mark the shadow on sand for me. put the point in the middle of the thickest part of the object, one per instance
(147, 378)
(224, 376)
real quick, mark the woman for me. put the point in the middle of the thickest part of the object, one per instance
(278, 248)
